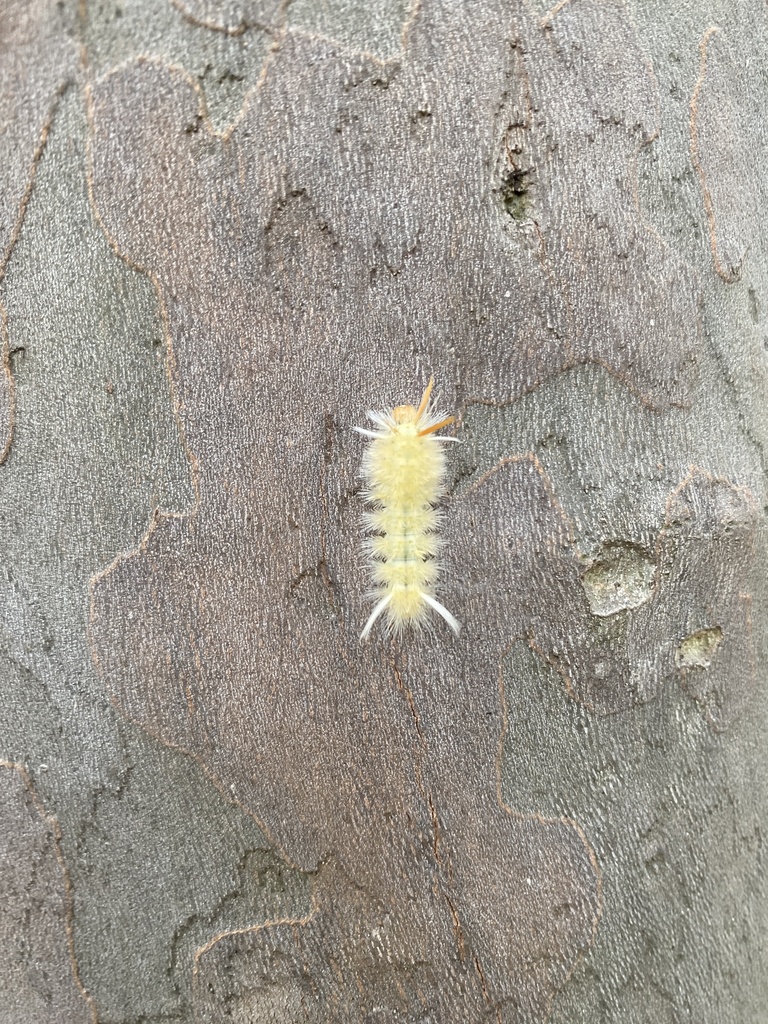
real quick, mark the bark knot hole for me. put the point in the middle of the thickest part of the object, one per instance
(698, 649)
(515, 192)
(619, 578)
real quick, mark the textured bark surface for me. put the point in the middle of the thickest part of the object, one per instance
(39, 980)
(229, 227)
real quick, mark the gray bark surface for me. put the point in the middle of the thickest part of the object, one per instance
(227, 229)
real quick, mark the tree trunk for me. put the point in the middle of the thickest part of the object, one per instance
(228, 229)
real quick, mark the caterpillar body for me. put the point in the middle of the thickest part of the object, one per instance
(404, 466)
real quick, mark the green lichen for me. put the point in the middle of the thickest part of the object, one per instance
(621, 577)
(698, 649)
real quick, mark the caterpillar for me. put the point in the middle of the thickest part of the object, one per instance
(403, 467)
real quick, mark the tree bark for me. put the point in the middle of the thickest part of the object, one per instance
(227, 229)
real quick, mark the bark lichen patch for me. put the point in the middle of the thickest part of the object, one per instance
(621, 577)
(698, 649)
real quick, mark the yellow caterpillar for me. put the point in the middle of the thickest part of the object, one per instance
(404, 466)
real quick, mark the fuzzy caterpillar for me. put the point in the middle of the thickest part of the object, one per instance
(404, 466)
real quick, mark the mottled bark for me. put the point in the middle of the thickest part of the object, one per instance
(227, 229)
